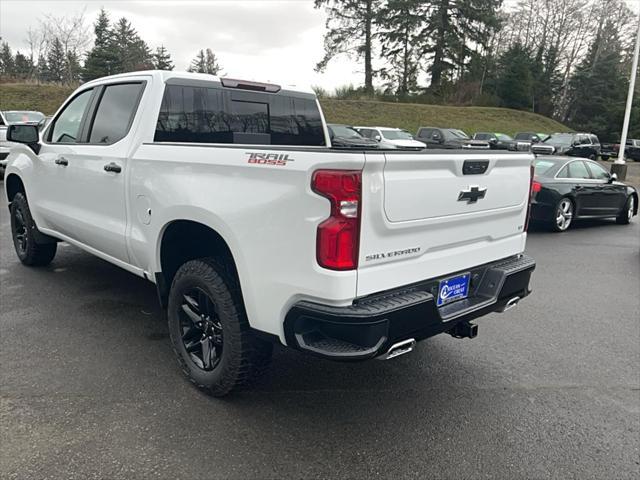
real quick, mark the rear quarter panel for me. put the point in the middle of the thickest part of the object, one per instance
(267, 214)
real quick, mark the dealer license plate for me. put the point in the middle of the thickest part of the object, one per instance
(453, 288)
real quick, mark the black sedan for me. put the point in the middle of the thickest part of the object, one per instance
(565, 189)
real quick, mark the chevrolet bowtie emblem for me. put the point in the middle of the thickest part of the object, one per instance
(472, 194)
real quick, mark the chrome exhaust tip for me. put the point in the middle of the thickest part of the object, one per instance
(510, 304)
(398, 349)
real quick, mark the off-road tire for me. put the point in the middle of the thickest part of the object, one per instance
(24, 231)
(244, 357)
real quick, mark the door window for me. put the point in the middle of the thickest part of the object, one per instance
(425, 133)
(115, 112)
(598, 172)
(578, 170)
(67, 126)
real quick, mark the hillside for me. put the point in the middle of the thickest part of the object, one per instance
(411, 116)
(47, 98)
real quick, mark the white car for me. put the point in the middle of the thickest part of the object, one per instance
(391, 138)
(228, 196)
(14, 116)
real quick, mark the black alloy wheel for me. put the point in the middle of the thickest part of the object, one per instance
(27, 241)
(20, 233)
(202, 334)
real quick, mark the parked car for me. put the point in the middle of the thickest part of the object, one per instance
(344, 136)
(566, 189)
(452, 138)
(8, 117)
(631, 150)
(254, 230)
(530, 137)
(585, 145)
(391, 138)
(497, 141)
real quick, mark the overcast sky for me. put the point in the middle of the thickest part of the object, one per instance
(271, 40)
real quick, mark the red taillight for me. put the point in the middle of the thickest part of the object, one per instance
(532, 190)
(338, 237)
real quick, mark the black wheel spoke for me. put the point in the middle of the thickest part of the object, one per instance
(191, 310)
(208, 351)
(193, 346)
(201, 329)
(191, 332)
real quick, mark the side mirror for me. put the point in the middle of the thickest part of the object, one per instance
(436, 138)
(493, 141)
(23, 133)
(377, 138)
(613, 177)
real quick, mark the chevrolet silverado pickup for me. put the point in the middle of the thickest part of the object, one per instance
(229, 197)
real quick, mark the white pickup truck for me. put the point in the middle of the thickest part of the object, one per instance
(228, 196)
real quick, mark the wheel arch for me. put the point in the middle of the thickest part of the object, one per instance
(14, 185)
(182, 240)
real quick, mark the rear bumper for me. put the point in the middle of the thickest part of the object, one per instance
(371, 325)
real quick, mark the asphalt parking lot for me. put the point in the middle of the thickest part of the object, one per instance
(90, 388)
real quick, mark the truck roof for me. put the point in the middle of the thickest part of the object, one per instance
(167, 75)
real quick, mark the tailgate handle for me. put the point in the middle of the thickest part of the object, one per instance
(475, 167)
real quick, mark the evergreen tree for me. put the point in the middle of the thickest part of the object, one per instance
(198, 64)
(42, 71)
(23, 66)
(162, 59)
(56, 61)
(398, 24)
(101, 58)
(206, 62)
(350, 25)
(73, 69)
(515, 81)
(132, 53)
(7, 64)
(451, 28)
(598, 87)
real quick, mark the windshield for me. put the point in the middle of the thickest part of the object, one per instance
(503, 137)
(18, 117)
(524, 136)
(560, 139)
(396, 135)
(458, 134)
(543, 166)
(343, 131)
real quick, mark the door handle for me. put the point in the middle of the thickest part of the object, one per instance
(112, 167)
(62, 161)
(579, 187)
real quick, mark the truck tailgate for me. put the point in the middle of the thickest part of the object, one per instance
(426, 215)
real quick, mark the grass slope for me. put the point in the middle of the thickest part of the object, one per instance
(27, 96)
(411, 116)
(47, 99)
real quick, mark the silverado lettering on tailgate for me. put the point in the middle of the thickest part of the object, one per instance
(395, 253)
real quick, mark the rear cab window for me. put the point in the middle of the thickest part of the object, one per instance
(210, 113)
